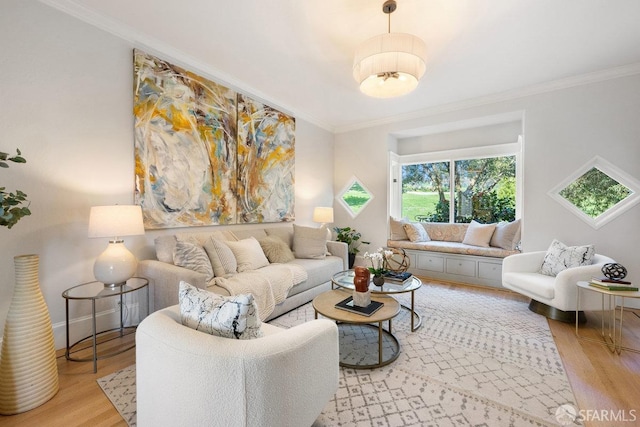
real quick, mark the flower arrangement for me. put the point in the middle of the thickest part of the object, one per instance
(377, 260)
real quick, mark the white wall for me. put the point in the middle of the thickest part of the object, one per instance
(66, 92)
(563, 129)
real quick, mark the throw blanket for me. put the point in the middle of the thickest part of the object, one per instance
(269, 286)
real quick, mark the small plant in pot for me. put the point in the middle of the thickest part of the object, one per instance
(352, 238)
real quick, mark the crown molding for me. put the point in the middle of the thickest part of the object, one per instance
(554, 85)
(166, 51)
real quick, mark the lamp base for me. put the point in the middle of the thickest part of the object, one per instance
(115, 265)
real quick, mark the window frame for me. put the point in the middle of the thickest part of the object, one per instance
(451, 156)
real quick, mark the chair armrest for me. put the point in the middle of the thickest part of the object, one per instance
(341, 250)
(287, 375)
(527, 262)
(164, 281)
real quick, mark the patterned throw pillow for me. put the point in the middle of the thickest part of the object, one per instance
(309, 242)
(276, 249)
(234, 316)
(192, 256)
(416, 232)
(248, 253)
(479, 234)
(559, 257)
(222, 258)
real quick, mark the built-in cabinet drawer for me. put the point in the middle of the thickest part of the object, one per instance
(461, 266)
(430, 263)
(489, 270)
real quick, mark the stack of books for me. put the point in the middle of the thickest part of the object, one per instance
(348, 305)
(612, 284)
(393, 277)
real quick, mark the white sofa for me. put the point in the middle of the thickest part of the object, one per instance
(554, 297)
(189, 378)
(164, 277)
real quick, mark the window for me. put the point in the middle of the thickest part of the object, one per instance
(354, 197)
(597, 192)
(481, 182)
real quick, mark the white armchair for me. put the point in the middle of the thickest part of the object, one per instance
(554, 297)
(189, 378)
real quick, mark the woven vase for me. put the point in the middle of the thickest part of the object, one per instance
(28, 369)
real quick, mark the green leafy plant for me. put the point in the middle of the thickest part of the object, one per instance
(11, 204)
(351, 237)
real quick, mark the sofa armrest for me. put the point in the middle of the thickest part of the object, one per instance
(341, 250)
(164, 281)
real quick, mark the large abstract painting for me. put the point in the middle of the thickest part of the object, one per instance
(265, 163)
(199, 160)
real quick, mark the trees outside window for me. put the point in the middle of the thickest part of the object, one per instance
(458, 185)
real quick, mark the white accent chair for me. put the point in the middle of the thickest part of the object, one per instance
(554, 297)
(189, 378)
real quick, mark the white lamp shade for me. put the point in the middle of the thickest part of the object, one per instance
(115, 221)
(323, 215)
(115, 265)
(390, 64)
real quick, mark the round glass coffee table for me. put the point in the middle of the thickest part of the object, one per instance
(344, 279)
(357, 332)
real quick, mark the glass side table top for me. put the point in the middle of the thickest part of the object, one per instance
(97, 290)
(344, 279)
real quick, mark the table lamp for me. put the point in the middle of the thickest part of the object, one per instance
(116, 264)
(323, 215)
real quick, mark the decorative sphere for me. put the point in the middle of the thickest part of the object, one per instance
(398, 262)
(615, 271)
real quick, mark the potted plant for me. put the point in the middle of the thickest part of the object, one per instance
(10, 203)
(351, 237)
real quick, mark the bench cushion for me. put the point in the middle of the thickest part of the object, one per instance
(451, 247)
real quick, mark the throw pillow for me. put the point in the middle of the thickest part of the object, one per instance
(416, 232)
(309, 242)
(285, 233)
(479, 234)
(276, 249)
(506, 235)
(248, 253)
(222, 258)
(559, 257)
(234, 316)
(396, 228)
(192, 256)
(165, 246)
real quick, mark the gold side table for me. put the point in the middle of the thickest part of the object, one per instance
(93, 291)
(611, 323)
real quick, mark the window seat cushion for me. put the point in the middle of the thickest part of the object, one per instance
(451, 248)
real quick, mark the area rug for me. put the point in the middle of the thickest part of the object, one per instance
(478, 359)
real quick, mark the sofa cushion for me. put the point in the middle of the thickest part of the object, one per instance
(318, 272)
(234, 316)
(192, 256)
(249, 254)
(479, 234)
(276, 249)
(396, 229)
(221, 256)
(309, 242)
(285, 233)
(416, 232)
(559, 257)
(506, 235)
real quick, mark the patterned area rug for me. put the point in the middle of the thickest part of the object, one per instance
(478, 359)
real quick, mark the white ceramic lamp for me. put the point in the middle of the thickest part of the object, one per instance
(116, 264)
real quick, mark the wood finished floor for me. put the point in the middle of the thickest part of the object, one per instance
(601, 381)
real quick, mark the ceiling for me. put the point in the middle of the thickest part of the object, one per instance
(298, 54)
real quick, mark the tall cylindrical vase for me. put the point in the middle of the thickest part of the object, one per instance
(28, 369)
